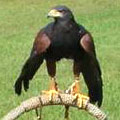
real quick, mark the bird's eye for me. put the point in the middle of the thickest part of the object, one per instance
(62, 11)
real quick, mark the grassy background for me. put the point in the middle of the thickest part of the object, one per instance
(20, 20)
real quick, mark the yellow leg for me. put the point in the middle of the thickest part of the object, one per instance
(81, 99)
(53, 89)
(74, 89)
(53, 84)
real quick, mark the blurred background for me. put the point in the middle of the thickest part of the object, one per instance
(20, 20)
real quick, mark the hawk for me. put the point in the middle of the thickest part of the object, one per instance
(64, 38)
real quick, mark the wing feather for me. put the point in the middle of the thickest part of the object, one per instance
(91, 70)
(32, 64)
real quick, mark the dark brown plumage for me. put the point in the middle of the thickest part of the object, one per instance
(64, 38)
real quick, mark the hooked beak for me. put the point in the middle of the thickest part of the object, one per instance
(54, 13)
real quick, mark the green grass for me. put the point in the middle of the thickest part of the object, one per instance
(20, 20)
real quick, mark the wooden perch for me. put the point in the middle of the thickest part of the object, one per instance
(43, 100)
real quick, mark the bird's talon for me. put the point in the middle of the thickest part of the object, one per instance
(51, 93)
(81, 100)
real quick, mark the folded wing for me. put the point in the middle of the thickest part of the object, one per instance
(91, 70)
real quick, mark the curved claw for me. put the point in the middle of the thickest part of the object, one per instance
(74, 89)
(82, 100)
(51, 93)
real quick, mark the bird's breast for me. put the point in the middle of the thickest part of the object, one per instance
(63, 46)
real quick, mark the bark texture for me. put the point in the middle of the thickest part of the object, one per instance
(61, 99)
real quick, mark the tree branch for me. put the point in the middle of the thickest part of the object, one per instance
(61, 99)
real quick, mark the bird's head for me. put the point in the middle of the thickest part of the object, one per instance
(61, 12)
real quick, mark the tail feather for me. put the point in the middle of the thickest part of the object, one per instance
(28, 71)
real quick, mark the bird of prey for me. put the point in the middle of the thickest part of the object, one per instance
(64, 38)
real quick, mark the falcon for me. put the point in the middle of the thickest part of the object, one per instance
(64, 38)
